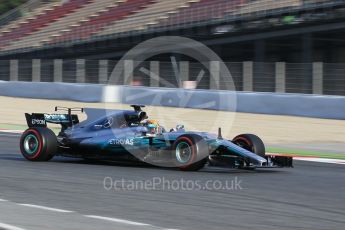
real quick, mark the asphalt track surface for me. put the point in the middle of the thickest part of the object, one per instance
(70, 194)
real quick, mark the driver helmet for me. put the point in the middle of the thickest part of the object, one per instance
(152, 126)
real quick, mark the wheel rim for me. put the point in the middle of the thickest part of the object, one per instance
(30, 144)
(183, 152)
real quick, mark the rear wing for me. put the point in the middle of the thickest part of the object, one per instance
(67, 120)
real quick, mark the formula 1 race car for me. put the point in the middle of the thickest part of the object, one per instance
(128, 135)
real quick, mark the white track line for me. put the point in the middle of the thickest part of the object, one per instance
(311, 159)
(9, 227)
(4, 134)
(11, 131)
(118, 220)
(46, 208)
(320, 160)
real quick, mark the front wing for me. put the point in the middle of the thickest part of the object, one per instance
(230, 154)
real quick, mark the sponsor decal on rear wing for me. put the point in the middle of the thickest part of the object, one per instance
(35, 120)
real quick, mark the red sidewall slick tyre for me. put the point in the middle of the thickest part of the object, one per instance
(195, 152)
(38, 144)
(251, 142)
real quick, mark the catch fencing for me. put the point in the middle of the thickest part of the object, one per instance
(305, 78)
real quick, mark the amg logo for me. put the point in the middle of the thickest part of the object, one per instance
(121, 142)
(38, 122)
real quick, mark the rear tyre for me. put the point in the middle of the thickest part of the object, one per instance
(251, 143)
(38, 144)
(190, 152)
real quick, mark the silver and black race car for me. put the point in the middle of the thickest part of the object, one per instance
(129, 136)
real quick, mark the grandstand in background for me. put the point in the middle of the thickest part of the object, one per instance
(239, 30)
(266, 32)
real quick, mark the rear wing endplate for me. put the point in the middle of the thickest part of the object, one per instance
(35, 120)
(65, 120)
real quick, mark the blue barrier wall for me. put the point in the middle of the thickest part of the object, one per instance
(331, 107)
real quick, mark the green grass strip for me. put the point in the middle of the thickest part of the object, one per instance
(13, 127)
(306, 153)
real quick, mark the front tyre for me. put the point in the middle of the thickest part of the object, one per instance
(38, 144)
(251, 143)
(190, 152)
